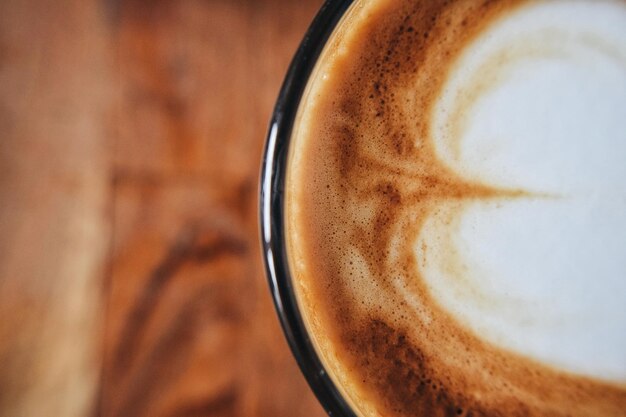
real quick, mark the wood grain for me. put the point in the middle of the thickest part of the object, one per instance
(53, 197)
(131, 281)
(191, 330)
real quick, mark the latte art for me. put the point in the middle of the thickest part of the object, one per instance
(538, 102)
(456, 207)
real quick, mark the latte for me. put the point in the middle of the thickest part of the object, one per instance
(456, 207)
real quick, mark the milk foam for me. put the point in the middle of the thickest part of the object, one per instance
(538, 103)
(455, 208)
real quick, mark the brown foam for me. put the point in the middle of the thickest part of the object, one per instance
(364, 178)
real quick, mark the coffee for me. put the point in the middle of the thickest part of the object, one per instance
(456, 207)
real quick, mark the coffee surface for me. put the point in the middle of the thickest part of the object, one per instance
(456, 207)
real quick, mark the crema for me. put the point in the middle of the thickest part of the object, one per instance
(456, 207)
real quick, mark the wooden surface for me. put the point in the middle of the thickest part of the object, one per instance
(54, 229)
(191, 330)
(169, 103)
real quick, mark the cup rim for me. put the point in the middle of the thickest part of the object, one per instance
(272, 201)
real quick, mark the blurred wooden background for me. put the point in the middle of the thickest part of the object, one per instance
(160, 109)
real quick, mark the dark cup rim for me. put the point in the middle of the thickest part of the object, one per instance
(272, 207)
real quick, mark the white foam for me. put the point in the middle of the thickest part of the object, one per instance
(538, 103)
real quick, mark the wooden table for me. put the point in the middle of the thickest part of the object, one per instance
(159, 109)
